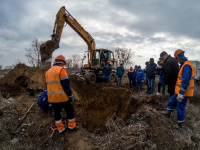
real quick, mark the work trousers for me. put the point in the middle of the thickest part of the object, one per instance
(106, 78)
(139, 84)
(151, 85)
(119, 80)
(180, 107)
(67, 106)
(163, 87)
(130, 82)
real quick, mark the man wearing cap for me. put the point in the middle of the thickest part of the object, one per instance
(139, 78)
(60, 94)
(184, 87)
(135, 76)
(171, 71)
(150, 72)
(130, 76)
(107, 69)
(119, 73)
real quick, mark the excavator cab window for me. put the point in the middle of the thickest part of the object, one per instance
(110, 57)
(95, 58)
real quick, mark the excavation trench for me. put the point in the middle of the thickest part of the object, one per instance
(98, 107)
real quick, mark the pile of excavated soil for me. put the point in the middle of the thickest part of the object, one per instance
(21, 79)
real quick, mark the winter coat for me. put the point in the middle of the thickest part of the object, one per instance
(130, 74)
(150, 71)
(140, 75)
(120, 71)
(135, 74)
(171, 73)
(107, 69)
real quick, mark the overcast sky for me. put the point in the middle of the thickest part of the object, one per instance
(148, 27)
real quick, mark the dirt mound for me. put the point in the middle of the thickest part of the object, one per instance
(21, 79)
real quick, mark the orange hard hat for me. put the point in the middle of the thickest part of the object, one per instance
(61, 57)
(108, 62)
(177, 52)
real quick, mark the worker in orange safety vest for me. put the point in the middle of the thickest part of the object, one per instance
(184, 88)
(60, 94)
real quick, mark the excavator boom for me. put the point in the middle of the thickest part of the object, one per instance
(62, 17)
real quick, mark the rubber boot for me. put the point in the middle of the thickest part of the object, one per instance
(178, 125)
(74, 129)
(167, 113)
(60, 126)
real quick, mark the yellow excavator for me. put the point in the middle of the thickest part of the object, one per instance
(97, 58)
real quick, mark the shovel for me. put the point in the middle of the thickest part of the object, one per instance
(18, 127)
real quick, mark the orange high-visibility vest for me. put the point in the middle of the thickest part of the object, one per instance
(130, 70)
(189, 92)
(55, 90)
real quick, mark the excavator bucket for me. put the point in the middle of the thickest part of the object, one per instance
(47, 48)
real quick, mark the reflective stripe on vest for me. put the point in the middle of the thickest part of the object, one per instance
(182, 78)
(55, 90)
(53, 82)
(189, 92)
(189, 88)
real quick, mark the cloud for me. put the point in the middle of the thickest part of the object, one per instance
(138, 56)
(147, 27)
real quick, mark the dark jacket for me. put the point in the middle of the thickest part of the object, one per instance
(120, 71)
(150, 71)
(130, 74)
(171, 73)
(107, 69)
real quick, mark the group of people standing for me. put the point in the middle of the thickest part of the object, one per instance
(167, 68)
(178, 74)
(136, 77)
(107, 69)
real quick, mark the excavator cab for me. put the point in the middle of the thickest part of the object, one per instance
(98, 61)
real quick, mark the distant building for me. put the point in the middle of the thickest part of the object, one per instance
(196, 65)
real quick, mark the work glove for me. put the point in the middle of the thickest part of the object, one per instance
(71, 98)
(180, 97)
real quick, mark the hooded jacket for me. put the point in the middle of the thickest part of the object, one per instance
(151, 68)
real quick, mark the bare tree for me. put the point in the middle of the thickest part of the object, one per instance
(69, 63)
(124, 55)
(75, 60)
(33, 53)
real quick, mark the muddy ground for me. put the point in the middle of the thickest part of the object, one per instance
(109, 118)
